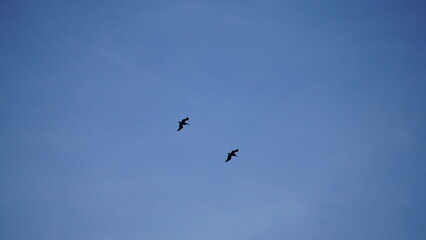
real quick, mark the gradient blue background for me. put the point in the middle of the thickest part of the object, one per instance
(325, 100)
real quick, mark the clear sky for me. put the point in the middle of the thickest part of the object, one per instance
(325, 100)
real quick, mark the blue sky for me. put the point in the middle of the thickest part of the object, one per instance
(325, 100)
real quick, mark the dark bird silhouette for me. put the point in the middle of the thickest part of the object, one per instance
(182, 123)
(231, 154)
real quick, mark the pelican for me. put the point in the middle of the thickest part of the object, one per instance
(182, 123)
(231, 154)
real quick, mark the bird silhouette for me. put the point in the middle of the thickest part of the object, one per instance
(182, 123)
(231, 154)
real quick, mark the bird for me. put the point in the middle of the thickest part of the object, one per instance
(231, 154)
(182, 123)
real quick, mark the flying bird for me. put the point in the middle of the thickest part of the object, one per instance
(231, 154)
(182, 123)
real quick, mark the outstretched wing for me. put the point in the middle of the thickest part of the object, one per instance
(185, 119)
(229, 158)
(180, 126)
(234, 151)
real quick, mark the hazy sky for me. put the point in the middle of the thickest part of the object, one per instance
(326, 101)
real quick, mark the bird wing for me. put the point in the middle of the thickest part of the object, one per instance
(180, 126)
(236, 150)
(229, 158)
